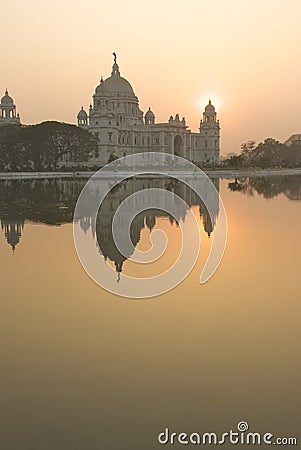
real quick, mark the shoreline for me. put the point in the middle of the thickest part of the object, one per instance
(227, 173)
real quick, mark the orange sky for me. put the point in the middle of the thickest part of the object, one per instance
(243, 54)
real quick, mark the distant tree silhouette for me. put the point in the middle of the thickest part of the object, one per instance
(269, 153)
(42, 146)
(247, 149)
(235, 161)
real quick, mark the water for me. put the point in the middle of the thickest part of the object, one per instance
(86, 369)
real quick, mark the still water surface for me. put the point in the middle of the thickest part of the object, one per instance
(85, 369)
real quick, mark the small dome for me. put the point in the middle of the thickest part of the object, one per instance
(82, 114)
(210, 107)
(149, 114)
(7, 100)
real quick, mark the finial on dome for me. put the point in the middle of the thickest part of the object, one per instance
(101, 79)
(209, 101)
(115, 68)
(6, 91)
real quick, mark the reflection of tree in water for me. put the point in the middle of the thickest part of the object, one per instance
(49, 201)
(269, 187)
(52, 201)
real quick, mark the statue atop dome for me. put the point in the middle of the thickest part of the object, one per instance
(115, 68)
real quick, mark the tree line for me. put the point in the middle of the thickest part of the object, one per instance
(269, 153)
(43, 146)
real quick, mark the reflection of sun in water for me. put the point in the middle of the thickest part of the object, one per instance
(215, 98)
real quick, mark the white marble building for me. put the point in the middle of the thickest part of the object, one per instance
(122, 128)
(8, 111)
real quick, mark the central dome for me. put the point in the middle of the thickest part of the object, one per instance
(115, 84)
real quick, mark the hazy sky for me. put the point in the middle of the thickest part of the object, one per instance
(244, 54)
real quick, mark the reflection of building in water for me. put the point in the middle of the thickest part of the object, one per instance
(105, 241)
(85, 224)
(149, 216)
(207, 222)
(122, 128)
(12, 231)
(52, 202)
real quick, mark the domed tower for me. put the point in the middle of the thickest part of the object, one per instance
(8, 111)
(149, 117)
(210, 135)
(82, 118)
(114, 116)
(114, 102)
(13, 231)
(209, 114)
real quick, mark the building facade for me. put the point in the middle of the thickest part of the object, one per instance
(8, 111)
(123, 129)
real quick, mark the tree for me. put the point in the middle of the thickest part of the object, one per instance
(270, 153)
(247, 149)
(42, 146)
(235, 161)
(267, 153)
